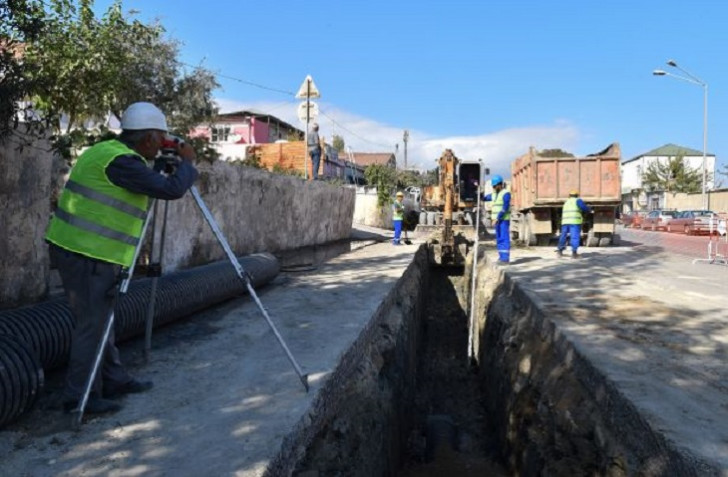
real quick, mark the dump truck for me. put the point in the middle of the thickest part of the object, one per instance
(541, 185)
(447, 210)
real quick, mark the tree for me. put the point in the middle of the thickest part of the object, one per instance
(338, 143)
(673, 175)
(384, 178)
(84, 68)
(20, 22)
(554, 153)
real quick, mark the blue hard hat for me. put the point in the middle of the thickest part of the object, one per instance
(495, 180)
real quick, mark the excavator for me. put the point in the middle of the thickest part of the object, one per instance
(448, 210)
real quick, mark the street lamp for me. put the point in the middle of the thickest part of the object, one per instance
(690, 78)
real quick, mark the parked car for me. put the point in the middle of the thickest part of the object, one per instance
(693, 222)
(657, 219)
(632, 219)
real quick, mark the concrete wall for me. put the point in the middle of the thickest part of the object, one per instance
(25, 191)
(257, 211)
(367, 212)
(717, 201)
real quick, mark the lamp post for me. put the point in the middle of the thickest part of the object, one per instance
(690, 78)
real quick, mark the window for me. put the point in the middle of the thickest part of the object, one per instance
(219, 133)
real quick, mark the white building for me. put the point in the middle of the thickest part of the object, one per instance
(634, 195)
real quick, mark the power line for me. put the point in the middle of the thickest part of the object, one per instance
(352, 132)
(249, 83)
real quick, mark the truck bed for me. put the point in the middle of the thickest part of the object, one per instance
(546, 181)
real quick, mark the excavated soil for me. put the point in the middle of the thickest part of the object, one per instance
(451, 431)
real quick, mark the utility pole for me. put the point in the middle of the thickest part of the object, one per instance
(405, 138)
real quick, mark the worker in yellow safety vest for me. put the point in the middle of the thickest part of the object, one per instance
(397, 217)
(571, 220)
(94, 233)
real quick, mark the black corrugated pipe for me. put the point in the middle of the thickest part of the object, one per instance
(21, 378)
(44, 330)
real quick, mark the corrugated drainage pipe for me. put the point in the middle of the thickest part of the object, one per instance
(44, 330)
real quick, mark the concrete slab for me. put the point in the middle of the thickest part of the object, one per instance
(654, 324)
(225, 395)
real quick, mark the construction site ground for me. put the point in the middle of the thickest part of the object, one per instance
(226, 397)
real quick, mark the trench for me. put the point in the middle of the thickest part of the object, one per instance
(406, 401)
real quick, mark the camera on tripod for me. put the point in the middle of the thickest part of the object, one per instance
(168, 159)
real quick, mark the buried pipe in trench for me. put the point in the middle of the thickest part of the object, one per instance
(41, 334)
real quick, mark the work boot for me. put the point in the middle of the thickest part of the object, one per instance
(132, 387)
(574, 255)
(559, 252)
(94, 405)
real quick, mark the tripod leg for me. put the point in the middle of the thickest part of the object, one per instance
(155, 272)
(107, 330)
(244, 277)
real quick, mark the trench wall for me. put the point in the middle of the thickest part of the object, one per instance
(258, 211)
(358, 423)
(552, 411)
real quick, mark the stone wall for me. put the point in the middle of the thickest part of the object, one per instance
(256, 210)
(553, 412)
(25, 192)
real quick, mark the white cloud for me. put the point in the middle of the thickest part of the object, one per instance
(497, 148)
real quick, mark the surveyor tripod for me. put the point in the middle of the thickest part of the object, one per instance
(123, 288)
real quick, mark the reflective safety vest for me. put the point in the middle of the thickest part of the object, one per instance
(498, 206)
(571, 213)
(397, 211)
(95, 217)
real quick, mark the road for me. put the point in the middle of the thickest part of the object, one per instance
(693, 246)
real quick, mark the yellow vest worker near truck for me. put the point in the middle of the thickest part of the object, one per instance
(571, 220)
(94, 233)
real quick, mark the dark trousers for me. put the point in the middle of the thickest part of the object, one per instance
(90, 286)
(315, 160)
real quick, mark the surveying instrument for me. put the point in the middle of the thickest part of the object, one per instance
(168, 159)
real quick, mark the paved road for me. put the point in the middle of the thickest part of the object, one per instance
(694, 246)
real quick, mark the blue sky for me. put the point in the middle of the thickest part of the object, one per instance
(486, 78)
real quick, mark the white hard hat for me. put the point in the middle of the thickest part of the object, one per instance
(142, 115)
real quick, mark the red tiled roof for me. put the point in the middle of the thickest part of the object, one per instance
(369, 158)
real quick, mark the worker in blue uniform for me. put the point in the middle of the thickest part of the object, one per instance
(500, 215)
(571, 220)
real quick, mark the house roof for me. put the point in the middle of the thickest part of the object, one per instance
(259, 116)
(368, 158)
(669, 150)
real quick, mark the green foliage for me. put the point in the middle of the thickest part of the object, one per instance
(554, 153)
(80, 69)
(338, 143)
(673, 175)
(384, 178)
(252, 160)
(20, 22)
(286, 171)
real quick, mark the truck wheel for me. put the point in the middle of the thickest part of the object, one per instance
(542, 240)
(616, 240)
(605, 241)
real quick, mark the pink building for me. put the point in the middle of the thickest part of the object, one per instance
(232, 133)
